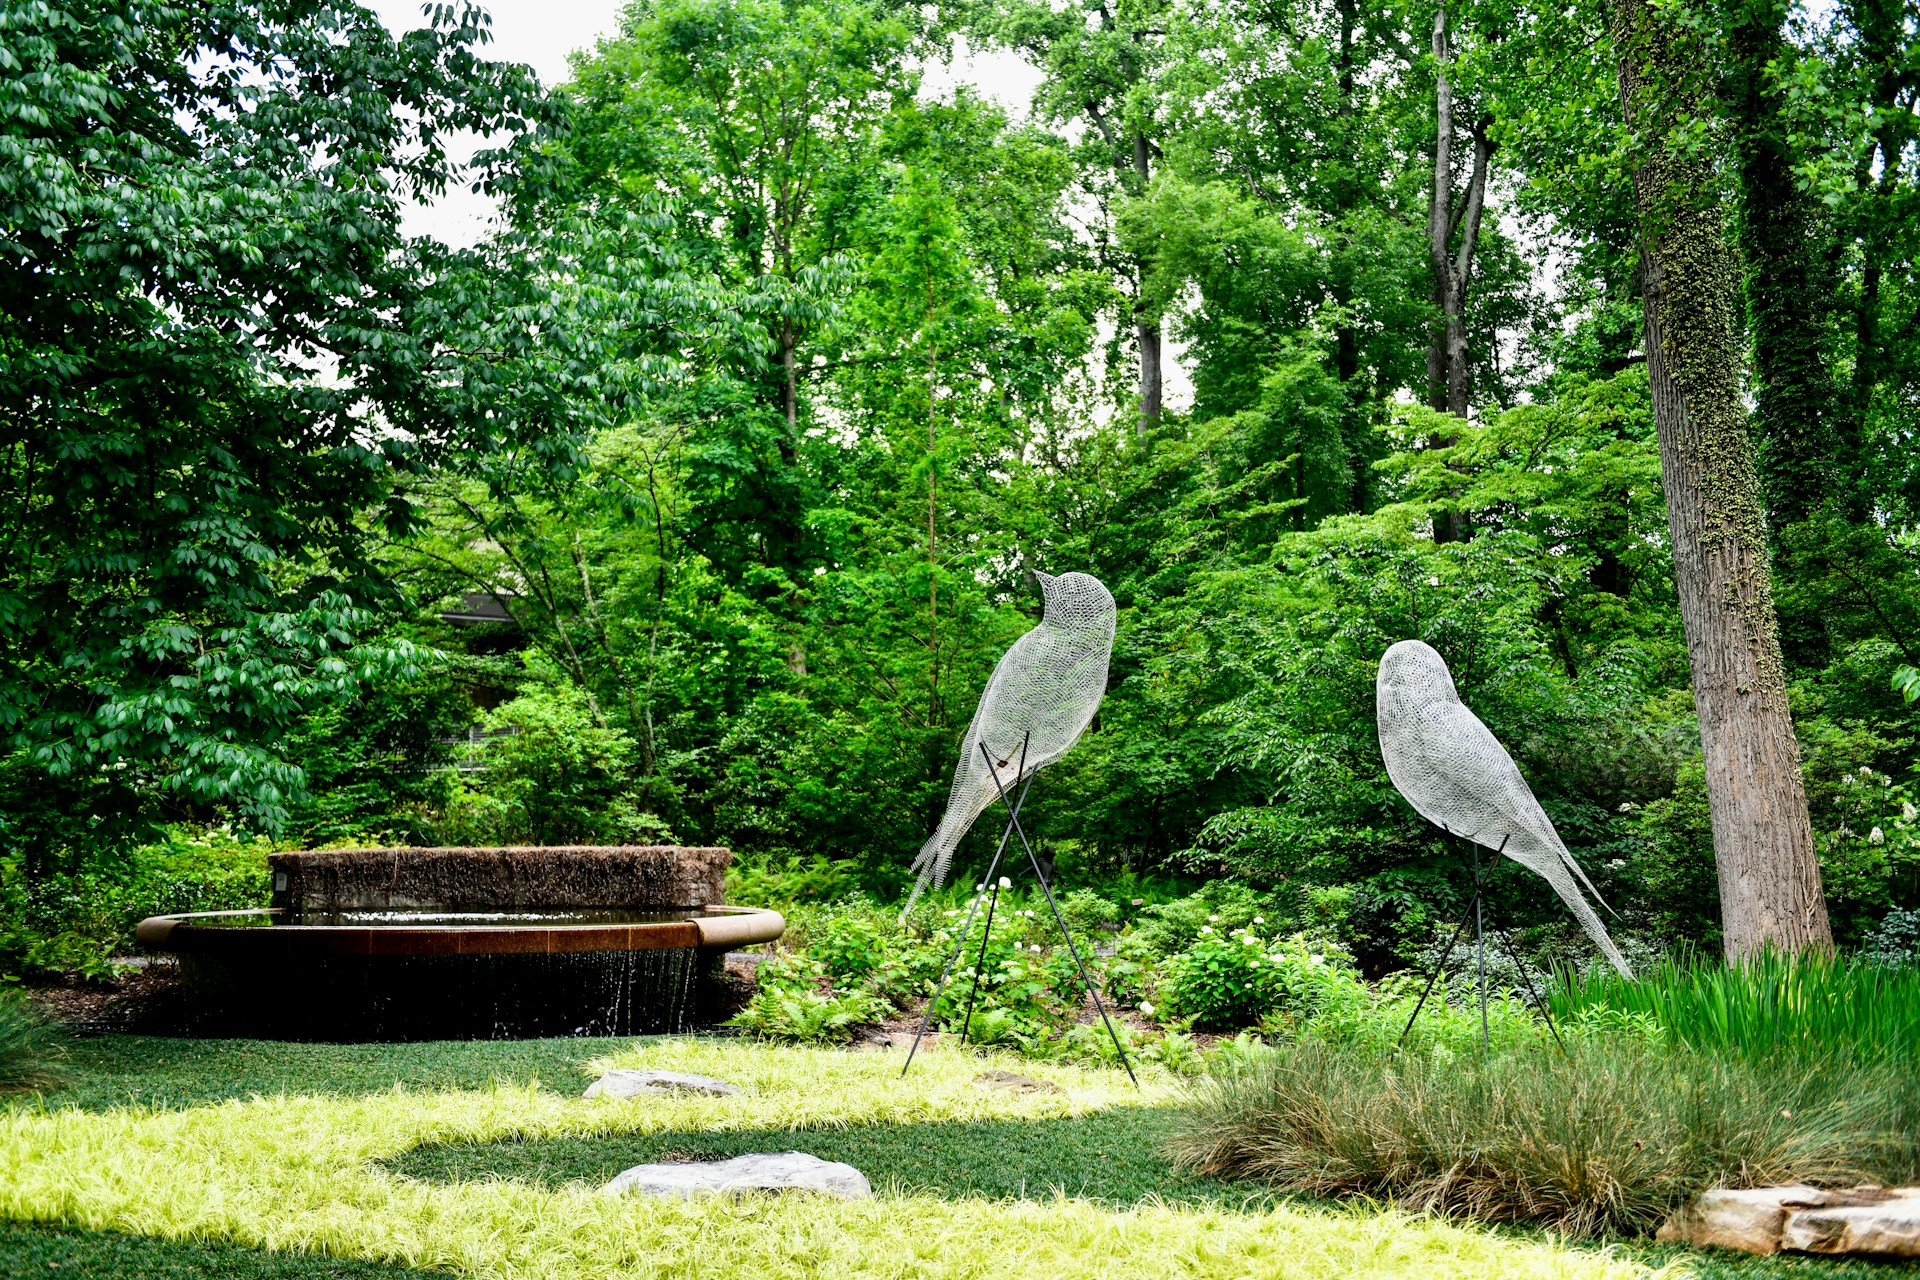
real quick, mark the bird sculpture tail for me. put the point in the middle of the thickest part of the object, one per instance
(930, 865)
(1551, 866)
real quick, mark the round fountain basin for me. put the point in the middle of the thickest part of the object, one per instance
(276, 931)
(432, 944)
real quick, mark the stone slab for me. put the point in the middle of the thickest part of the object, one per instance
(1014, 1082)
(1873, 1221)
(1890, 1229)
(630, 1083)
(775, 1172)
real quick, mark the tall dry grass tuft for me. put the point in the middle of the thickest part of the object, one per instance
(1607, 1138)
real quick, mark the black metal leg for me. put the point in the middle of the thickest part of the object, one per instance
(1061, 920)
(1480, 942)
(986, 936)
(1439, 967)
(993, 870)
(1539, 1002)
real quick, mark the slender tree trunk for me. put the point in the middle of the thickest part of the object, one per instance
(1458, 385)
(1763, 843)
(1440, 216)
(1354, 428)
(1448, 384)
(1146, 327)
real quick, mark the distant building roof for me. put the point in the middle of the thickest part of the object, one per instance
(480, 606)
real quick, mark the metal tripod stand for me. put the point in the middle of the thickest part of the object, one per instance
(1475, 915)
(991, 891)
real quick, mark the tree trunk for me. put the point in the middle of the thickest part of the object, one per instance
(1448, 386)
(1439, 216)
(1146, 327)
(1787, 297)
(1763, 843)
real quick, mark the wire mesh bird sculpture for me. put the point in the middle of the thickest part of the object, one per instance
(1041, 697)
(1455, 773)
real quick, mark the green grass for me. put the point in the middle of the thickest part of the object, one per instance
(316, 1171)
(1116, 1157)
(101, 1072)
(50, 1253)
(177, 1160)
(1801, 1007)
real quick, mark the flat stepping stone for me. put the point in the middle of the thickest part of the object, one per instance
(1014, 1082)
(629, 1083)
(1869, 1221)
(785, 1171)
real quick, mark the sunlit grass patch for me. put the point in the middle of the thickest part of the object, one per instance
(300, 1173)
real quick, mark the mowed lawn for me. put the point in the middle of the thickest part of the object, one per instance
(257, 1160)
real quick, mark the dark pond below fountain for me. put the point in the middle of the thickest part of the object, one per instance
(429, 944)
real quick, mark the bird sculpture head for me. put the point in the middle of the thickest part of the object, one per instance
(1412, 674)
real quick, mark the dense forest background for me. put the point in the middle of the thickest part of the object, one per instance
(697, 502)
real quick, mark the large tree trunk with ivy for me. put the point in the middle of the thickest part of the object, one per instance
(1763, 843)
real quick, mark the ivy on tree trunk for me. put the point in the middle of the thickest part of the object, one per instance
(1770, 893)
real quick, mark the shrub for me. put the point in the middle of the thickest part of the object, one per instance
(1608, 1137)
(75, 921)
(851, 947)
(1228, 980)
(1895, 941)
(806, 1017)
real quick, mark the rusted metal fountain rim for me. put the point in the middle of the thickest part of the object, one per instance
(215, 933)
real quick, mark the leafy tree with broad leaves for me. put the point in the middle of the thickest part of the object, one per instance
(222, 361)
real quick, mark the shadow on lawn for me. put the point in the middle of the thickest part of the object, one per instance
(101, 1072)
(1113, 1157)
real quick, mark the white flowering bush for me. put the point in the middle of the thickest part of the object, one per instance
(1235, 978)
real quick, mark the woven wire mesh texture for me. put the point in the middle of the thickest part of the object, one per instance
(1042, 694)
(1455, 774)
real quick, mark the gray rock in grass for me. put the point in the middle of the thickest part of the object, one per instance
(786, 1171)
(629, 1083)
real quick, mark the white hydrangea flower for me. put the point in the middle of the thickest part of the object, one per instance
(1213, 919)
(1907, 810)
(1206, 928)
(1146, 1008)
(1876, 836)
(1254, 963)
(1005, 883)
(1249, 940)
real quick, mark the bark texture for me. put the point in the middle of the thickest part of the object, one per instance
(1448, 383)
(1789, 288)
(1769, 877)
(1146, 325)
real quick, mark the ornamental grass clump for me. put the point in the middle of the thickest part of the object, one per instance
(1805, 1007)
(1606, 1138)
